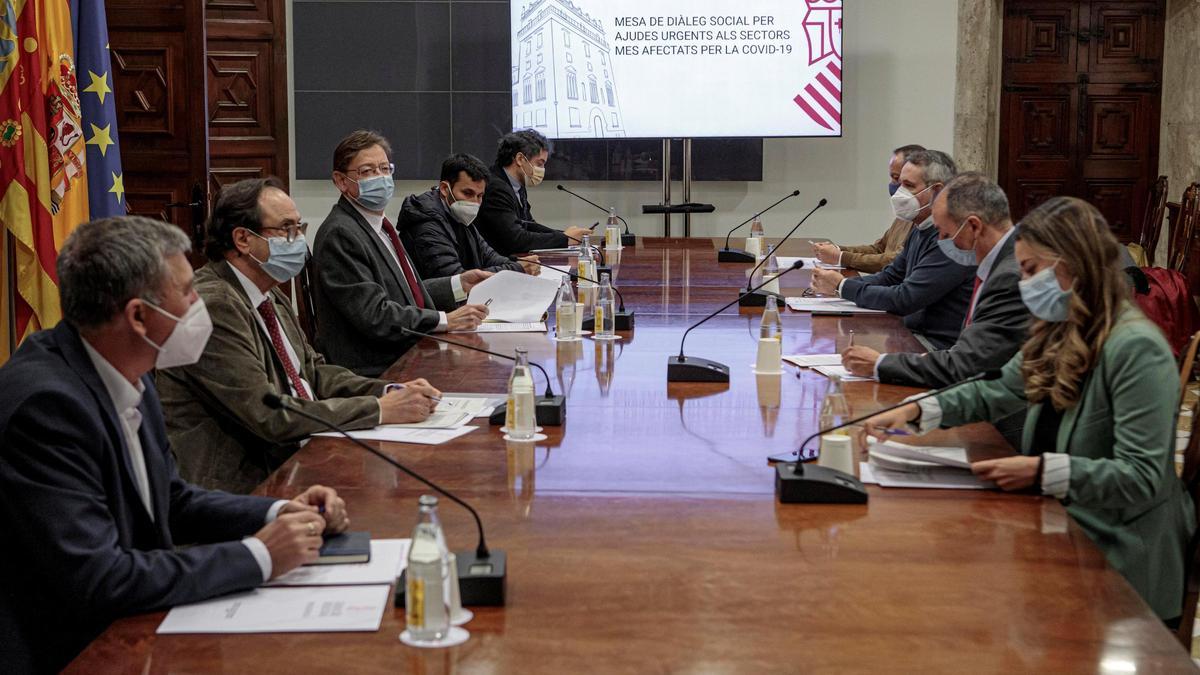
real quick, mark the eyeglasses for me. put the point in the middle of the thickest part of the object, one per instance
(368, 171)
(290, 230)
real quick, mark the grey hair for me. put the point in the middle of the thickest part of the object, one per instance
(937, 166)
(974, 193)
(108, 262)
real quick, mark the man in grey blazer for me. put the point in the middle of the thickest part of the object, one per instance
(367, 289)
(972, 212)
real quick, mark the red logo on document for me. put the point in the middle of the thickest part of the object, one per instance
(821, 98)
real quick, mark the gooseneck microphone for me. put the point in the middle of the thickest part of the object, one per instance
(549, 409)
(755, 299)
(482, 574)
(694, 369)
(797, 483)
(622, 319)
(737, 255)
(628, 238)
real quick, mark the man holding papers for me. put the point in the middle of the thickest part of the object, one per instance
(92, 505)
(224, 436)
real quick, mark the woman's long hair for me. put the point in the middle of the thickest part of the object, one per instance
(1059, 355)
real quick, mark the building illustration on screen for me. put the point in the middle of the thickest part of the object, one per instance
(563, 82)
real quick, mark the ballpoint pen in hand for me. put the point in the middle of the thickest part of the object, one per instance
(398, 385)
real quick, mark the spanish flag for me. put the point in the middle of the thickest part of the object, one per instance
(44, 150)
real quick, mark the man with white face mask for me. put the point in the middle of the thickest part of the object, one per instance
(928, 289)
(505, 216)
(223, 434)
(89, 492)
(438, 226)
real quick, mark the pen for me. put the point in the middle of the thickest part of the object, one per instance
(851, 338)
(394, 386)
(594, 225)
(898, 432)
(488, 302)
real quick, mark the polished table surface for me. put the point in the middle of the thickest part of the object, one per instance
(644, 536)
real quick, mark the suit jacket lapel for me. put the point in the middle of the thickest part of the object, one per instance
(381, 253)
(265, 348)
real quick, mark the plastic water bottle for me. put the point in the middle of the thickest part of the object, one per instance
(834, 409)
(606, 320)
(771, 326)
(587, 272)
(564, 311)
(426, 602)
(754, 243)
(612, 231)
(520, 417)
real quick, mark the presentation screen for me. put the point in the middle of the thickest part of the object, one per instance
(677, 68)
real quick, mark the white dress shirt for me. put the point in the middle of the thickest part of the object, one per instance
(375, 220)
(257, 298)
(126, 398)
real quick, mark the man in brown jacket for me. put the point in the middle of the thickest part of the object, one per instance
(222, 434)
(871, 258)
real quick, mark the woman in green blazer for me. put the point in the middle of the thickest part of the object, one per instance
(1100, 388)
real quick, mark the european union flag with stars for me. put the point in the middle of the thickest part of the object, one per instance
(106, 185)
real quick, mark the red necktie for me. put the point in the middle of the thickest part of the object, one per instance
(971, 307)
(418, 293)
(267, 311)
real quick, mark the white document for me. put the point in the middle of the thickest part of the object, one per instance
(809, 263)
(934, 478)
(388, 558)
(316, 609)
(476, 405)
(829, 305)
(397, 434)
(840, 371)
(515, 297)
(814, 360)
(515, 327)
(926, 455)
(450, 419)
(555, 273)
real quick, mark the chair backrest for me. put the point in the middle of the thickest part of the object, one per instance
(304, 301)
(1191, 559)
(1183, 228)
(1156, 209)
(1187, 365)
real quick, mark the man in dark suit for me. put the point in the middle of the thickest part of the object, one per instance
(91, 504)
(972, 210)
(367, 288)
(224, 436)
(438, 226)
(505, 217)
(921, 284)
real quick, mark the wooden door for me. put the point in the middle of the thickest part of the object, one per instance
(1080, 105)
(157, 54)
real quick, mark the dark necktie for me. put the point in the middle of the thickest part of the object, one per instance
(524, 195)
(414, 286)
(267, 311)
(971, 307)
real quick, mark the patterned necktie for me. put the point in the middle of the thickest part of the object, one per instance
(267, 311)
(524, 195)
(971, 307)
(414, 286)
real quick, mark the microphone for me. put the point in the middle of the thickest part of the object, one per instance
(760, 299)
(549, 410)
(694, 369)
(628, 238)
(623, 319)
(482, 574)
(737, 255)
(796, 483)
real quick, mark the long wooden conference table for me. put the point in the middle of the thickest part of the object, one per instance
(644, 534)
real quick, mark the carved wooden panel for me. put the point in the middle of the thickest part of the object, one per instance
(1114, 126)
(1124, 36)
(1039, 39)
(1044, 127)
(224, 172)
(241, 10)
(1118, 200)
(239, 88)
(142, 89)
(1027, 194)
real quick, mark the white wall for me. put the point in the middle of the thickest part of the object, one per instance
(899, 88)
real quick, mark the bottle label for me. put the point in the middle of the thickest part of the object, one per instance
(416, 602)
(599, 318)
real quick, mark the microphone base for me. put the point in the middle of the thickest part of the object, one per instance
(758, 299)
(623, 321)
(481, 581)
(695, 369)
(735, 255)
(629, 239)
(549, 411)
(816, 485)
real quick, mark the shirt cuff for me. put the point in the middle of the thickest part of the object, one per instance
(841, 256)
(443, 323)
(1056, 474)
(457, 287)
(273, 512)
(261, 555)
(877, 362)
(839, 287)
(931, 414)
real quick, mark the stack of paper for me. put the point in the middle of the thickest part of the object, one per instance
(516, 327)
(814, 360)
(477, 405)
(831, 305)
(395, 433)
(809, 263)
(841, 372)
(515, 297)
(895, 464)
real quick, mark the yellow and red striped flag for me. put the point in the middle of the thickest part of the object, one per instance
(43, 180)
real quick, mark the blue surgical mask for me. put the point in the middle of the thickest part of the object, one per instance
(375, 192)
(286, 259)
(892, 187)
(965, 258)
(1043, 296)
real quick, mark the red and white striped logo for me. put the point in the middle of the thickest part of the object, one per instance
(821, 98)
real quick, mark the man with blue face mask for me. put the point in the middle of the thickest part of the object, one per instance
(929, 290)
(223, 434)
